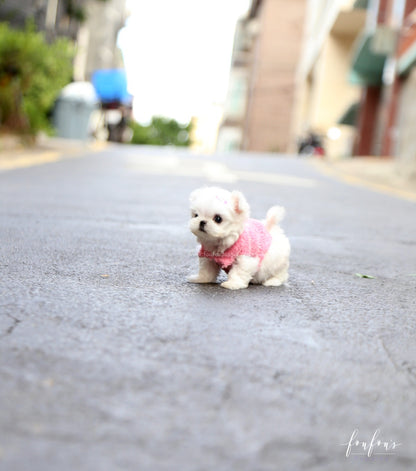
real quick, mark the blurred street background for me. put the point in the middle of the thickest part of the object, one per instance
(309, 77)
(111, 113)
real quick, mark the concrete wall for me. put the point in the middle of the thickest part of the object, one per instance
(49, 15)
(230, 135)
(335, 93)
(97, 38)
(406, 119)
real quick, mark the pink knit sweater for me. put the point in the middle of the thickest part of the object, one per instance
(254, 241)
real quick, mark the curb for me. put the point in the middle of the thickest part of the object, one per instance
(391, 184)
(47, 151)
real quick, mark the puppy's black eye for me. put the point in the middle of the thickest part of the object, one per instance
(217, 218)
(194, 215)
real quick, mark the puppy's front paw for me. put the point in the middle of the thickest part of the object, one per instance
(200, 279)
(234, 284)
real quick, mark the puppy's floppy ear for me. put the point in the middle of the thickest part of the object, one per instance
(239, 203)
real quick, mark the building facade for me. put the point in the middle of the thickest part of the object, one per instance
(405, 117)
(231, 130)
(97, 38)
(260, 99)
(326, 98)
(385, 60)
(357, 76)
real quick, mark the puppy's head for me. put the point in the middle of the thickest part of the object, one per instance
(217, 216)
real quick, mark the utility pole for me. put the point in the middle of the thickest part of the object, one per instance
(50, 18)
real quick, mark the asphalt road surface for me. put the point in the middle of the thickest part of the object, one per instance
(110, 360)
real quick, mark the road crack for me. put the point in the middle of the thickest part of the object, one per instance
(405, 367)
(10, 330)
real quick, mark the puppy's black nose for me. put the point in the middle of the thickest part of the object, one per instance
(202, 226)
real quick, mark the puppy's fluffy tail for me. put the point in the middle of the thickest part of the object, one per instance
(274, 216)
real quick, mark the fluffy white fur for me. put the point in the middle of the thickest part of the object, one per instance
(232, 208)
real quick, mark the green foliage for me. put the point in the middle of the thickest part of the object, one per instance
(161, 132)
(32, 72)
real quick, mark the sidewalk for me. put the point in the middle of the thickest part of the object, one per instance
(377, 173)
(14, 154)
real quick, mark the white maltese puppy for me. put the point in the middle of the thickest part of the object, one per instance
(248, 250)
